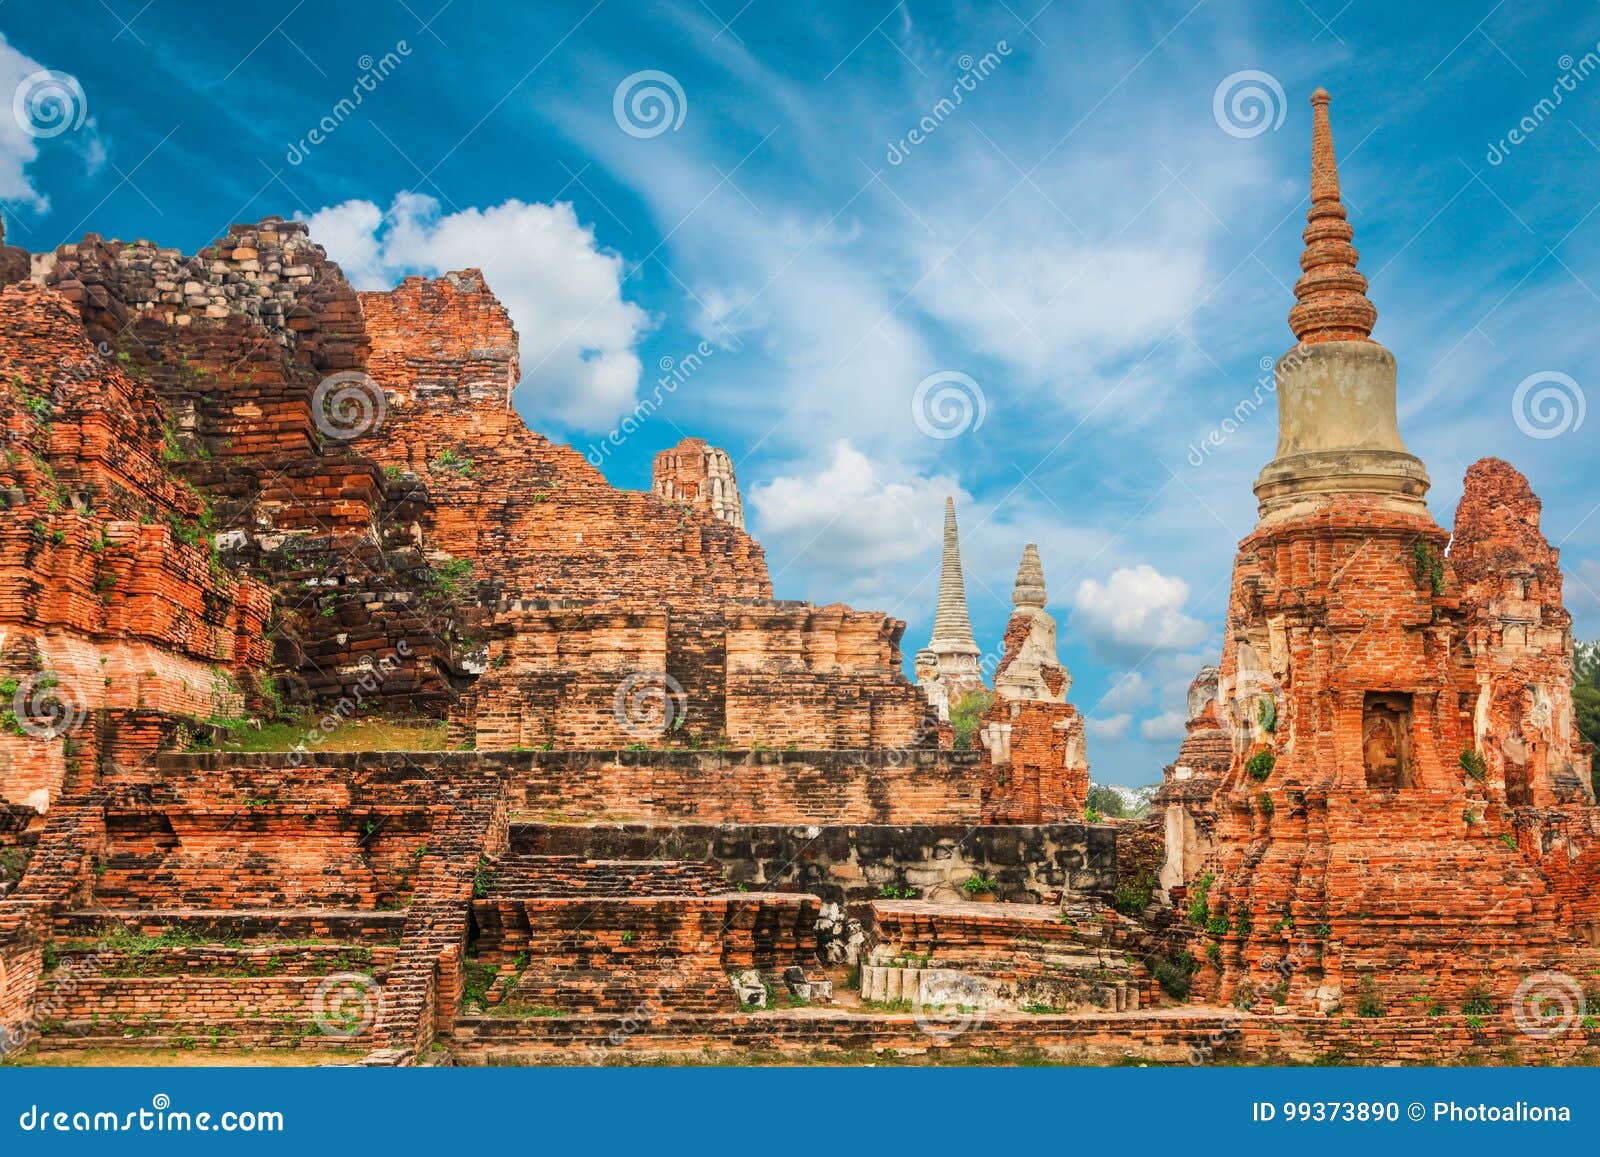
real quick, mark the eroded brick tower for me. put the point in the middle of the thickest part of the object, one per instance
(700, 476)
(1375, 836)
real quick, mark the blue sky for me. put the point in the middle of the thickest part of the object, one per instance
(1098, 236)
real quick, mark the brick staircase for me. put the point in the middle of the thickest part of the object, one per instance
(196, 979)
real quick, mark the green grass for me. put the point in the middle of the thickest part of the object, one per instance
(349, 735)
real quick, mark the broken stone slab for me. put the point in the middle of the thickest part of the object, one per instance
(749, 988)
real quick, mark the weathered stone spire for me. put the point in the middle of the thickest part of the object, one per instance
(1331, 294)
(1029, 590)
(1338, 425)
(1038, 765)
(952, 628)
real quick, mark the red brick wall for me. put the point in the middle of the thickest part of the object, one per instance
(612, 954)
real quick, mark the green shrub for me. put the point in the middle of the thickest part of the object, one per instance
(1260, 765)
(965, 715)
(1174, 973)
(1103, 800)
(1428, 566)
(1199, 900)
(1474, 765)
(1132, 897)
(1479, 1001)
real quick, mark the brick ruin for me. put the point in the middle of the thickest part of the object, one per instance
(680, 815)
(1037, 766)
(1382, 800)
(116, 618)
(699, 476)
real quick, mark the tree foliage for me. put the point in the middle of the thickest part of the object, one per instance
(965, 715)
(1107, 802)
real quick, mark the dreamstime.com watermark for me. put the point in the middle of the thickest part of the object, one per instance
(649, 103)
(1272, 371)
(1548, 404)
(373, 74)
(1573, 74)
(948, 404)
(346, 1004)
(348, 405)
(974, 71)
(159, 1117)
(1282, 972)
(1248, 103)
(948, 1004)
(649, 705)
(65, 981)
(671, 974)
(674, 373)
(48, 103)
(1550, 1004)
(44, 707)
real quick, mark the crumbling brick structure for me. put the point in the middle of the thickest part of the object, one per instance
(117, 622)
(1405, 806)
(699, 476)
(1037, 769)
(358, 453)
(15, 262)
(611, 936)
(254, 350)
(1182, 804)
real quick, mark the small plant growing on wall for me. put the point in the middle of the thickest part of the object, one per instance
(1174, 973)
(1132, 897)
(1260, 765)
(1429, 568)
(1368, 1002)
(1473, 764)
(1199, 900)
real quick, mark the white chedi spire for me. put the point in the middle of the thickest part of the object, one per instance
(952, 627)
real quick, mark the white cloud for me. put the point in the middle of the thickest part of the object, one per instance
(1058, 308)
(564, 293)
(1166, 726)
(1110, 727)
(1131, 690)
(59, 104)
(1137, 609)
(853, 514)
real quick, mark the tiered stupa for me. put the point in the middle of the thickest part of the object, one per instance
(1038, 767)
(1373, 839)
(948, 668)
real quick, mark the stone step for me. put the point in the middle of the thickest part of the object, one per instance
(940, 987)
(531, 876)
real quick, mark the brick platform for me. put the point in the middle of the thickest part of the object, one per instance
(1178, 1037)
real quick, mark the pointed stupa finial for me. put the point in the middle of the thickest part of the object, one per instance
(1331, 296)
(1029, 591)
(952, 628)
